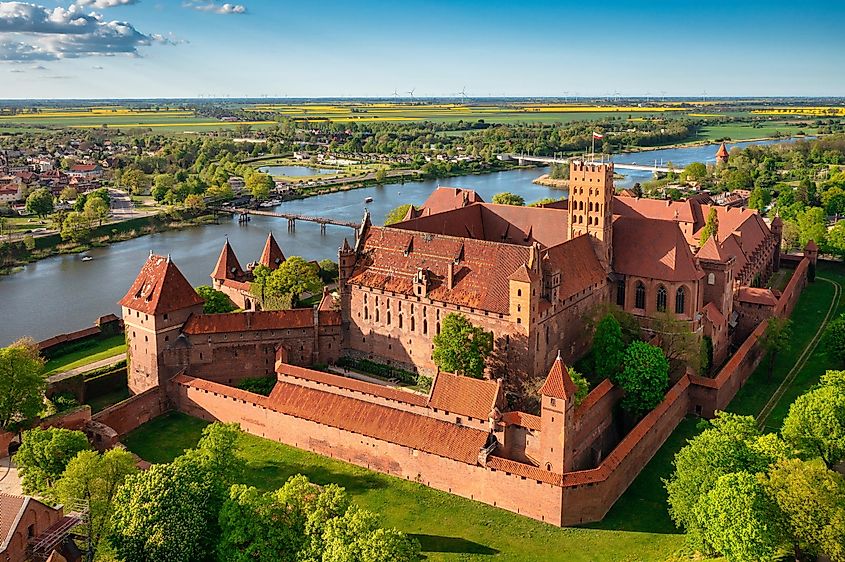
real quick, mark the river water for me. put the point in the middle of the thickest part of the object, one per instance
(63, 293)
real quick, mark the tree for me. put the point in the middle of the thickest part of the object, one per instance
(22, 382)
(95, 478)
(507, 198)
(40, 202)
(581, 383)
(170, 511)
(812, 225)
(711, 226)
(729, 443)
(680, 346)
(776, 338)
(834, 201)
(380, 175)
(608, 347)
(461, 347)
(397, 214)
(836, 240)
(44, 454)
(96, 209)
(559, 172)
(216, 302)
(195, 203)
(259, 184)
(644, 378)
(739, 520)
(76, 227)
(68, 194)
(811, 498)
(760, 198)
(293, 277)
(815, 424)
(833, 339)
(356, 537)
(695, 171)
(135, 181)
(328, 271)
(161, 185)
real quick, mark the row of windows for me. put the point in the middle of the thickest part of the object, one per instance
(590, 206)
(662, 297)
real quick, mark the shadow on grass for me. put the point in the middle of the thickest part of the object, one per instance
(456, 545)
(268, 474)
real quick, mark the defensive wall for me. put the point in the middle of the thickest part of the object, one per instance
(104, 326)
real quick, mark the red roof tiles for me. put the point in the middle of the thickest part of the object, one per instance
(578, 265)
(10, 508)
(252, 321)
(271, 255)
(558, 382)
(652, 248)
(466, 396)
(227, 266)
(160, 288)
(756, 295)
(522, 419)
(526, 470)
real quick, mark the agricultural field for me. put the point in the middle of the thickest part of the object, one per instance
(747, 131)
(817, 111)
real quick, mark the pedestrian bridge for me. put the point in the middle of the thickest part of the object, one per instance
(523, 158)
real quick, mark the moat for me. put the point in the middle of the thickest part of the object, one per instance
(63, 293)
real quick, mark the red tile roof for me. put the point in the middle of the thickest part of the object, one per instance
(461, 443)
(448, 198)
(271, 255)
(466, 396)
(713, 314)
(652, 248)
(227, 266)
(10, 507)
(755, 295)
(526, 470)
(578, 265)
(356, 385)
(712, 250)
(249, 321)
(160, 288)
(722, 152)
(522, 419)
(391, 257)
(558, 382)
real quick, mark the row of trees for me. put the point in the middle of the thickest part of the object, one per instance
(748, 496)
(194, 508)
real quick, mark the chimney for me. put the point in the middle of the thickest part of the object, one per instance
(450, 275)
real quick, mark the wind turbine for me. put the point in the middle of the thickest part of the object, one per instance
(395, 93)
(411, 92)
(463, 94)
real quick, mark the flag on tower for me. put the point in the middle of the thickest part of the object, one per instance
(597, 136)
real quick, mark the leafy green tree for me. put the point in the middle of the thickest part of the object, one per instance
(76, 227)
(259, 184)
(833, 339)
(812, 225)
(836, 240)
(357, 537)
(776, 339)
(44, 454)
(135, 181)
(328, 271)
(760, 198)
(194, 203)
(293, 277)
(507, 198)
(397, 214)
(711, 226)
(40, 202)
(216, 302)
(559, 172)
(68, 194)
(96, 209)
(739, 520)
(22, 382)
(644, 378)
(815, 423)
(811, 497)
(695, 171)
(581, 383)
(730, 443)
(834, 201)
(95, 478)
(381, 175)
(608, 347)
(161, 185)
(462, 347)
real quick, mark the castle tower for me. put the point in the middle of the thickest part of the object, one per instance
(228, 267)
(722, 155)
(557, 420)
(811, 252)
(272, 255)
(154, 310)
(591, 206)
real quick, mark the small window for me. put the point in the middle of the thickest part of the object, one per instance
(620, 294)
(711, 279)
(680, 300)
(640, 295)
(661, 299)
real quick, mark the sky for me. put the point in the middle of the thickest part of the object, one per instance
(367, 48)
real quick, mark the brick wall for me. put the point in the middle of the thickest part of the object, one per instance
(6, 439)
(72, 419)
(37, 515)
(595, 431)
(125, 416)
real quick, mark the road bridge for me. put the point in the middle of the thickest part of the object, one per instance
(523, 158)
(245, 213)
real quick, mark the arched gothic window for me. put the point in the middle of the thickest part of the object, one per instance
(661, 299)
(640, 295)
(620, 294)
(680, 300)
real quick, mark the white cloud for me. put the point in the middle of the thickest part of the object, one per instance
(29, 32)
(102, 4)
(216, 8)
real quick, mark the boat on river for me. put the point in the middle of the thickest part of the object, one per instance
(368, 200)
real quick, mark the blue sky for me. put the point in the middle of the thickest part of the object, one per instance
(190, 48)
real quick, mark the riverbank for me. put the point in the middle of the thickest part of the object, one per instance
(553, 183)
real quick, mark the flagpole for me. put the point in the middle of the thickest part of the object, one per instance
(593, 150)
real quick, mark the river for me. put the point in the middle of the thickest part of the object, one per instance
(63, 293)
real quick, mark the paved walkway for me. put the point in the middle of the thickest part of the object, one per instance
(107, 362)
(10, 482)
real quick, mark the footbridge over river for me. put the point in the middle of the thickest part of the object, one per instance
(244, 214)
(523, 158)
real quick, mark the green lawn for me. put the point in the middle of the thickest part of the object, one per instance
(83, 354)
(744, 131)
(448, 527)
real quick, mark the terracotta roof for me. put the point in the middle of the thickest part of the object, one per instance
(522, 469)
(227, 266)
(558, 382)
(271, 255)
(356, 385)
(746, 224)
(667, 210)
(652, 248)
(249, 321)
(722, 152)
(431, 435)
(578, 265)
(757, 295)
(160, 288)
(712, 250)
(467, 396)
(447, 198)
(83, 167)
(732, 247)
(10, 507)
(712, 312)
(811, 245)
(522, 419)
(390, 258)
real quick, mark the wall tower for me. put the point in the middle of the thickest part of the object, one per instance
(557, 420)
(591, 206)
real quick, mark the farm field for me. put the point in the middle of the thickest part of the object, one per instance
(740, 131)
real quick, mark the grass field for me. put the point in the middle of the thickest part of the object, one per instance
(85, 354)
(739, 131)
(638, 526)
